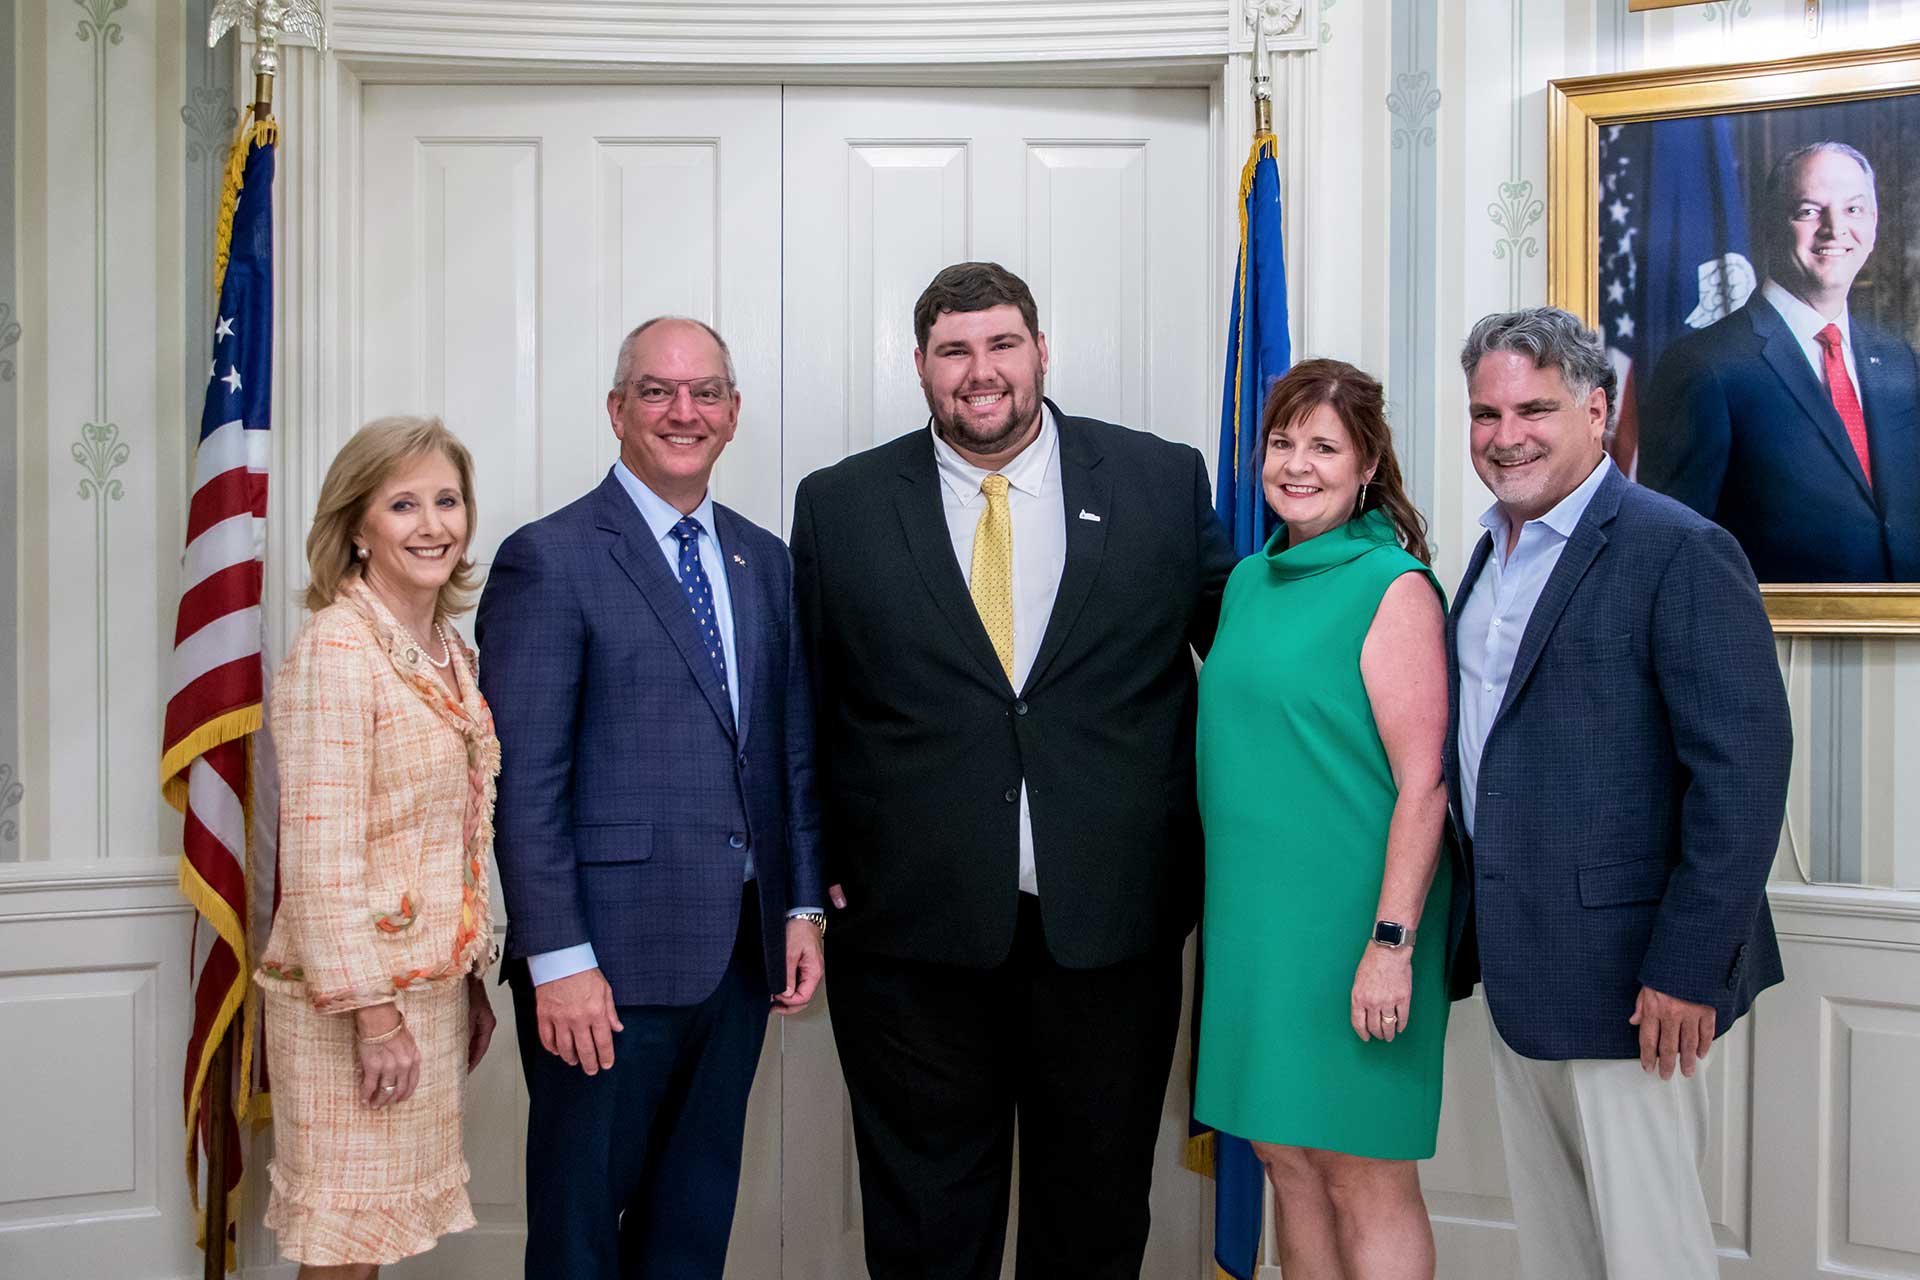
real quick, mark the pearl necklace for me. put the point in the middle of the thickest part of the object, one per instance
(446, 649)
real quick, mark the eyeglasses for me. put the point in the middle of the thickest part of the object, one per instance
(656, 393)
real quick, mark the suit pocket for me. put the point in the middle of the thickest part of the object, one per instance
(613, 842)
(1614, 884)
(1599, 648)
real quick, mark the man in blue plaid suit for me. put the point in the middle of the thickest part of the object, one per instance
(1617, 766)
(656, 830)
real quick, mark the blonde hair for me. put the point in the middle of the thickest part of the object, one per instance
(363, 464)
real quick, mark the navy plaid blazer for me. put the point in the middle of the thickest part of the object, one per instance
(1631, 788)
(628, 798)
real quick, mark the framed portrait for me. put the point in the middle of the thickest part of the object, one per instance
(1747, 240)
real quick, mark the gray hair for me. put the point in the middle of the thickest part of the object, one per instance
(623, 363)
(1780, 178)
(1553, 339)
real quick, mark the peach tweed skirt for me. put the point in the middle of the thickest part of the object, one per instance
(352, 1184)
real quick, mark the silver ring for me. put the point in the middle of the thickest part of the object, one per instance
(1389, 1017)
(388, 1088)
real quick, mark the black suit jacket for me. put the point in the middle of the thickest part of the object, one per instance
(1736, 425)
(924, 743)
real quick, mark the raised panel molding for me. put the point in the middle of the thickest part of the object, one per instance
(906, 218)
(1871, 1057)
(784, 32)
(101, 1011)
(1086, 252)
(480, 203)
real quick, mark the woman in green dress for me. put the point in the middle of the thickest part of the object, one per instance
(1323, 709)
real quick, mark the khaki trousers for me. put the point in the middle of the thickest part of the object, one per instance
(1603, 1160)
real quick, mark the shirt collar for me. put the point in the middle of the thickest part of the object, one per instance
(1801, 318)
(660, 514)
(1566, 513)
(1028, 472)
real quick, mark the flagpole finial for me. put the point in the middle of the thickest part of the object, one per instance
(271, 20)
(1262, 81)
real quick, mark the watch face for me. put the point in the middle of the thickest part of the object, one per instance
(1387, 933)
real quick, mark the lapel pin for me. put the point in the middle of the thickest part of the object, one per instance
(739, 559)
(1873, 359)
(1088, 515)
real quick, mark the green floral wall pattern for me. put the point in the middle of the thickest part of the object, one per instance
(100, 451)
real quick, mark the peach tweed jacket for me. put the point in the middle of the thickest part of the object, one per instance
(386, 812)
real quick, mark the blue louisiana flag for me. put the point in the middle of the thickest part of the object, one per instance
(1258, 351)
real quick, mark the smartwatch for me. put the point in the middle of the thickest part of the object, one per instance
(1388, 933)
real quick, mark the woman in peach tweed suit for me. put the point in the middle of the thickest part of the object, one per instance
(375, 1010)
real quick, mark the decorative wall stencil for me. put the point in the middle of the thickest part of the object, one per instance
(210, 119)
(1415, 240)
(100, 451)
(9, 338)
(1326, 28)
(1517, 209)
(10, 792)
(1726, 12)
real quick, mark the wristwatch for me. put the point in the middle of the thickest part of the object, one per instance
(1391, 934)
(818, 919)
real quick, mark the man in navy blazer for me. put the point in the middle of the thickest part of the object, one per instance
(1617, 766)
(656, 830)
(1789, 423)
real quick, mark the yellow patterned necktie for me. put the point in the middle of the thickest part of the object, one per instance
(992, 580)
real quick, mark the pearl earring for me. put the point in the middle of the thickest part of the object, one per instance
(361, 553)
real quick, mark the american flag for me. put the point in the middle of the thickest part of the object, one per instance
(216, 698)
(1623, 170)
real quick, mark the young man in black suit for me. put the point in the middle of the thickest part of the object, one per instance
(1003, 608)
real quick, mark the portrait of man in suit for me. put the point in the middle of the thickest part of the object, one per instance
(656, 828)
(1003, 607)
(1792, 422)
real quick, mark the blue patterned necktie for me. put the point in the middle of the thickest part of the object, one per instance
(700, 595)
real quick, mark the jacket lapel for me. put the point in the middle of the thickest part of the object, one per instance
(1782, 351)
(1083, 487)
(634, 549)
(923, 519)
(1450, 753)
(1589, 536)
(751, 609)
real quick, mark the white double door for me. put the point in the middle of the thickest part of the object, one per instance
(511, 235)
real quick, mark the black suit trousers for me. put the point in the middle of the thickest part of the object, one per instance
(940, 1060)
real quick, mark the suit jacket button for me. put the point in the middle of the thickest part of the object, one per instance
(736, 841)
(1013, 794)
(1019, 707)
(743, 759)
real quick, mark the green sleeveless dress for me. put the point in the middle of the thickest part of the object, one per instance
(1296, 795)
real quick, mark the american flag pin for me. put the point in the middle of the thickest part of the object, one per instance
(739, 559)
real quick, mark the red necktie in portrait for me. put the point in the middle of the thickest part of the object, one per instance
(1845, 402)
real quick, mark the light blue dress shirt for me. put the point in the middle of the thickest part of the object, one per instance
(1496, 614)
(660, 516)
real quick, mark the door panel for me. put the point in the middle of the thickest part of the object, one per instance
(1099, 199)
(513, 234)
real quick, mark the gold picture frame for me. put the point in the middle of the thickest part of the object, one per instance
(1577, 110)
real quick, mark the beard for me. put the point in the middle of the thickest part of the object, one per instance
(1021, 410)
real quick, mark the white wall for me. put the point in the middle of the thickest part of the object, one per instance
(1816, 1163)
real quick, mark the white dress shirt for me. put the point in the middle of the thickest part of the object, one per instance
(1804, 321)
(661, 516)
(1495, 617)
(1039, 514)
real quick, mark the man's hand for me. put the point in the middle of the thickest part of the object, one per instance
(806, 965)
(577, 1019)
(480, 1021)
(1671, 1027)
